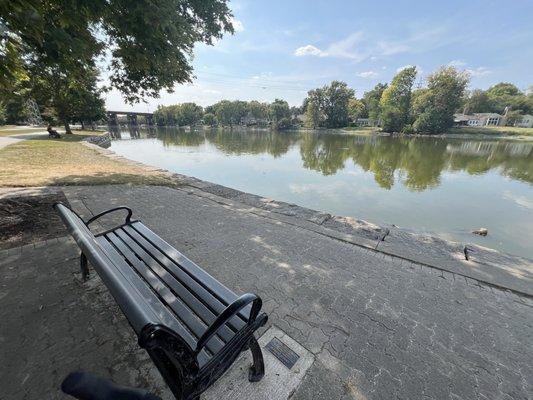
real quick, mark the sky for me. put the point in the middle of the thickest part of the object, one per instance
(282, 49)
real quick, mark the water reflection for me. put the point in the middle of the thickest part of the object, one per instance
(417, 163)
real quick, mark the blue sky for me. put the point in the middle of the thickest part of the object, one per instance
(282, 49)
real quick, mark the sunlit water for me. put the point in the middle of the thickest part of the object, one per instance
(446, 187)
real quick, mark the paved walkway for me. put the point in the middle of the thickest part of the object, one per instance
(17, 137)
(380, 327)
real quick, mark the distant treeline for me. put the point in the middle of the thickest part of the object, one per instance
(277, 114)
(394, 106)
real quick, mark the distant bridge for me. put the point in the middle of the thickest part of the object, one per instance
(112, 117)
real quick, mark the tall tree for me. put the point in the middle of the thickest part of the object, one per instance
(477, 102)
(313, 108)
(335, 105)
(433, 109)
(356, 109)
(66, 37)
(189, 114)
(395, 102)
(74, 97)
(371, 100)
(278, 110)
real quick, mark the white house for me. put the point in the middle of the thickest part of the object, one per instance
(525, 122)
(478, 119)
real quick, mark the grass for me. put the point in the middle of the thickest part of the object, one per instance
(44, 162)
(493, 130)
(361, 130)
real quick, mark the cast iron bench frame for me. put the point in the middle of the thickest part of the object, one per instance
(191, 325)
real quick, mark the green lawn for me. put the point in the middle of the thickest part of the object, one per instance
(493, 130)
(43, 162)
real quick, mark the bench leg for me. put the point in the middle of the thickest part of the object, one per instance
(257, 370)
(84, 267)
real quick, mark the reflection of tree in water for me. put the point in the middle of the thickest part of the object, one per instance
(324, 153)
(239, 141)
(418, 162)
(171, 136)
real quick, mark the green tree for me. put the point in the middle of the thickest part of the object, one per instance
(189, 114)
(210, 119)
(356, 109)
(335, 105)
(313, 108)
(258, 111)
(72, 96)
(278, 110)
(506, 95)
(371, 100)
(477, 102)
(230, 113)
(395, 101)
(433, 108)
(328, 106)
(146, 57)
(503, 89)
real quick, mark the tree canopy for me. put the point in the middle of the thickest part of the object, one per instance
(145, 57)
(395, 101)
(433, 108)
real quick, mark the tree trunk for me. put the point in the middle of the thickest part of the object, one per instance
(68, 131)
(82, 125)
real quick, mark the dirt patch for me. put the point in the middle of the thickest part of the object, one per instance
(29, 219)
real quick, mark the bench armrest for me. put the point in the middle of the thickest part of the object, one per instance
(227, 314)
(128, 217)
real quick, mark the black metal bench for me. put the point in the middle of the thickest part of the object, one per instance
(191, 325)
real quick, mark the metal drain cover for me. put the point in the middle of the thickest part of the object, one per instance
(282, 352)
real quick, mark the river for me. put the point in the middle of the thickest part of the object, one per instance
(442, 186)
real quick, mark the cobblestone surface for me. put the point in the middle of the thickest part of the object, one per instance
(380, 327)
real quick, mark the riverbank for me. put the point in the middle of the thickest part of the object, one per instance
(378, 326)
(40, 161)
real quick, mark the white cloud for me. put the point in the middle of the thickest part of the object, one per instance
(457, 63)
(385, 48)
(368, 74)
(360, 46)
(237, 25)
(479, 71)
(347, 48)
(309, 50)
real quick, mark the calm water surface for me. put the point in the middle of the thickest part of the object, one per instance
(446, 187)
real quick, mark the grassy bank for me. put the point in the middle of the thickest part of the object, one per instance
(492, 130)
(361, 130)
(66, 161)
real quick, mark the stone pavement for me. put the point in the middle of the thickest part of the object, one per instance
(379, 326)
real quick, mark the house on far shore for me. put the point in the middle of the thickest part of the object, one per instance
(478, 119)
(525, 122)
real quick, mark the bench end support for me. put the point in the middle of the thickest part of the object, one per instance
(257, 370)
(84, 267)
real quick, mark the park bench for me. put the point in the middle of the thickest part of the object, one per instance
(191, 325)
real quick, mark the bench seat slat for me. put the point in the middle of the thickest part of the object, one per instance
(179, 289)
(225, 295)
(167, 298)
(215, 306)
(165, 316)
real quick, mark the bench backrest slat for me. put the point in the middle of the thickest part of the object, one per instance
(131, 302)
